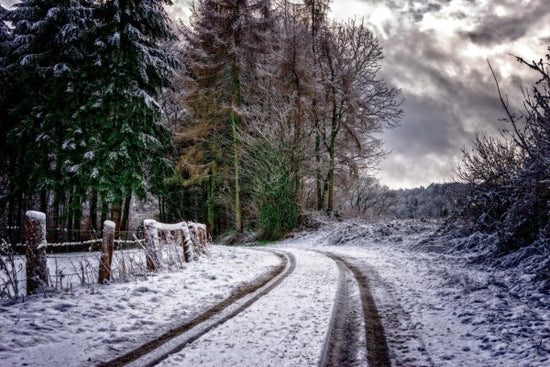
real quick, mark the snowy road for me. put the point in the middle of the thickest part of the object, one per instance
(317, 311)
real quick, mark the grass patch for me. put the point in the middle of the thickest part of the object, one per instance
(261, 243)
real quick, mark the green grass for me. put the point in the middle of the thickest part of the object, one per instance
(261, 243)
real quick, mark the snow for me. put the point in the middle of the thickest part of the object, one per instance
(286, 327)
(437, 308)
(109, 226)
(34, 215)
(460, 313)
(89, 324)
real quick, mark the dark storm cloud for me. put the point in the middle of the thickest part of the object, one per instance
(427, 128)
(500, 29)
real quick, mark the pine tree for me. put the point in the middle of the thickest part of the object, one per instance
(46, 58)
(5, 39)
(86, 78)
(125, 135)
(5, 122)
(224, 39)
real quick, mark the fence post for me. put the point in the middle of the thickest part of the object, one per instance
(195, 238)
(187, 243)
(151, 241)
(107, 246)
(200, 233)
(37, 266)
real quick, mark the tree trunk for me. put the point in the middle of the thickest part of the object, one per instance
(162, 208)
(69, 223)
(235, 101)
(318, 174)
(236, 166)
(297, 161)
(104, 211)
(333, 133)
(77, 217)
(115, 211)
(210, 202)
(44, 201)
(93, 209)
(126, 212)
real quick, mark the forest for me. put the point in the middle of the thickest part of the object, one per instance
(250, 114)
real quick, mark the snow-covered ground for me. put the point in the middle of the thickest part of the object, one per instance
(437, 308)
(460, 313)
(286, 327)
(96, 323)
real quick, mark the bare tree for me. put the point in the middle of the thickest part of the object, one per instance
(360, 104)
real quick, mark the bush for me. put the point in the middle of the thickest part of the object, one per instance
(508, 181)
(278, 209)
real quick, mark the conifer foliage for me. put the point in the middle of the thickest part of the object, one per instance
(86, 125)
(268, 109)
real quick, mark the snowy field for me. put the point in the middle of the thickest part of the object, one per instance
(438, 309)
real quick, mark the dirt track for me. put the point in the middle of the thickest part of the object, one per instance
(344, 341)
(213, 317)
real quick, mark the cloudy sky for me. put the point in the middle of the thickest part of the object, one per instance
(436, 52)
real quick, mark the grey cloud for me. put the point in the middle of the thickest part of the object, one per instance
(430, 126)
(492, 30)
(413, 8)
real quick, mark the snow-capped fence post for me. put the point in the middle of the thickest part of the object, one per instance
(187, 243)
(151, 240)
(194, 237)
(107, 246)
(36, 262)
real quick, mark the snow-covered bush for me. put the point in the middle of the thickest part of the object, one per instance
(508, 181)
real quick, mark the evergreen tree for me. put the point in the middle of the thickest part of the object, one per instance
(125, 137)
(86, 77)
(46, 58)
(5, 123)
(5, 39)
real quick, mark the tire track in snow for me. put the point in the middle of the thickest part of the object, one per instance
(408, 349)
(345, 346)
(376, 344)
(175, 340)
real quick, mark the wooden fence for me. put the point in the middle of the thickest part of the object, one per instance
(193, 237)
